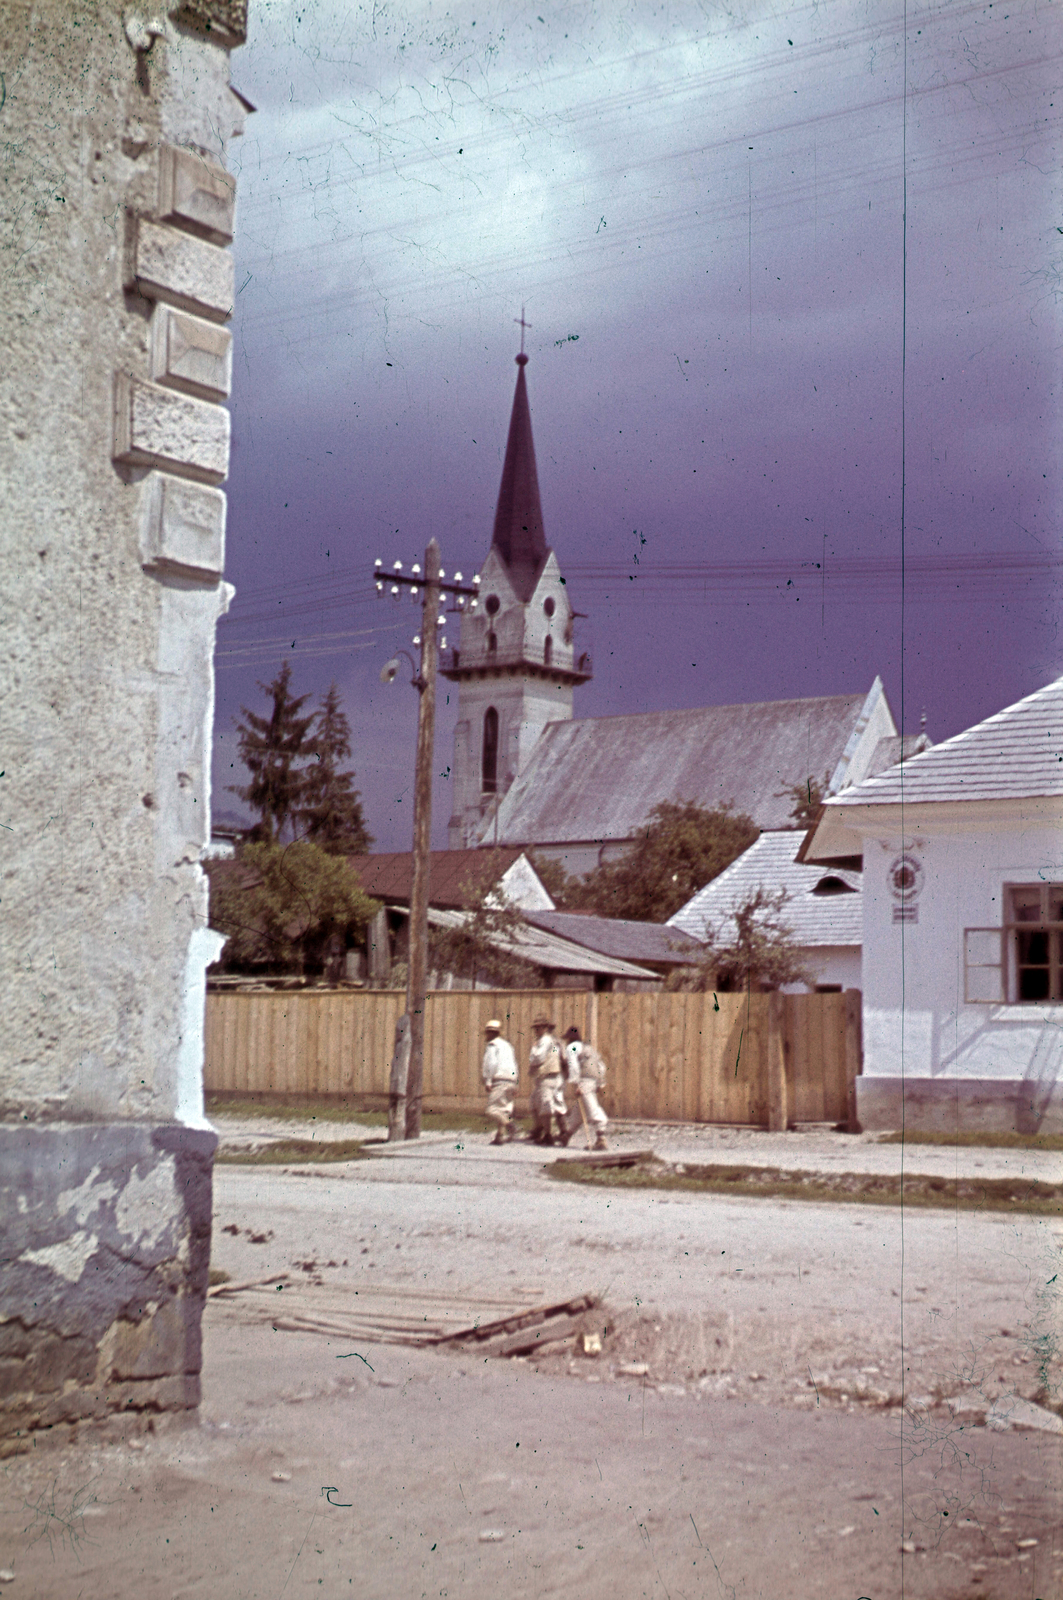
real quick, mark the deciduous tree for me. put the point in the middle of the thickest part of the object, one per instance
(279, 905)
(758, 953)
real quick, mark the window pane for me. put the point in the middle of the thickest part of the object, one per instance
(1033, 949)
(1055, 905)
(984, 984)
(1033, 983)
(1026, 905)
(983, 947)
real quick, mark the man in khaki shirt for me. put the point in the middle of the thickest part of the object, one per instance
(548, 1095)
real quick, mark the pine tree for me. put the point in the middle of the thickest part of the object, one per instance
(274, 751)
(330, 810)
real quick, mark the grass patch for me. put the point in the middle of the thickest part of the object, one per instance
(980, 1141)
(285, 1152)
(1019, 1196)
(334, 1110)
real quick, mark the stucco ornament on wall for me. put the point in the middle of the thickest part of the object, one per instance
(906, 876)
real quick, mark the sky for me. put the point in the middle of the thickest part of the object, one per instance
(793, 281)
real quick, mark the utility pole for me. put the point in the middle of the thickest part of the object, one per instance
(406, 1092)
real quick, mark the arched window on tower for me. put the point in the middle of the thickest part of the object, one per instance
(548, 651)
(492, 643)
(490, 752)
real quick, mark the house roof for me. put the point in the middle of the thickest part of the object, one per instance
(518, 534)
(824, 907)
(547, 949)
(600, 778)
(1016, 754)
(390, 876)
(616, 936)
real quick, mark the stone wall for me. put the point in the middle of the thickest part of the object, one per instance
(118, 285)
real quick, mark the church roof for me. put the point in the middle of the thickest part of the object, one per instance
(518, 536)
(599, 778)
(824, 908)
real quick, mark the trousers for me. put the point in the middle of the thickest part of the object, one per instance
(547, 1098)
(500, 1097)
(596, 1117)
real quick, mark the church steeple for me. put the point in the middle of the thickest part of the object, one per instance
(517, 663)
(518, 535)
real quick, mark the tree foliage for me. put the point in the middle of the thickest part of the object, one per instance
(330, 811)
(280, 905)
(759, 954)
(482, 947)
(681, 849)
(294, 759)
(807, 798)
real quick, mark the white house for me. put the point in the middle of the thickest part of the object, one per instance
(962, 925)
(823, 908)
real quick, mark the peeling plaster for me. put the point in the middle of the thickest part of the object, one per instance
(68, 1258)
(148, 1207)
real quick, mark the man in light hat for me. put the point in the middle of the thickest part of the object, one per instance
(548, 1094)
(500, 1080)
(586, 1074)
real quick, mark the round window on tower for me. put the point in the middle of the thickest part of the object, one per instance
(548, 605)
(491, 605)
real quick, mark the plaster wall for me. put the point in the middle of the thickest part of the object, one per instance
(831, 963)
(117, 287)
(917, 1024)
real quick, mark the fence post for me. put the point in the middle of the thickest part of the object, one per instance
(778, 1103)
(853, 1051)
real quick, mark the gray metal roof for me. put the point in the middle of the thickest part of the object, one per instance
(1016, 754)
(600, 778)
(817, 918)
(546, 949)
(621, 937)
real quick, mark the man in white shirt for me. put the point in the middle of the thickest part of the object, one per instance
(500, 1080)
(548, 1095)
(586, 1073)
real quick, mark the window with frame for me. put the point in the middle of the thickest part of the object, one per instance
(1020, 962)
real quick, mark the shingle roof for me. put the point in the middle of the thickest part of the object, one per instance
(390, 876)
(518, 534)
(600, 778)
(1016, 754)
(547, 949)
(620, 937)
(830, 918)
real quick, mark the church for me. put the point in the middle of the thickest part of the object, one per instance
(528, 773)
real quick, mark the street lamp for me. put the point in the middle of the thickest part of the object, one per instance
(406, 1089)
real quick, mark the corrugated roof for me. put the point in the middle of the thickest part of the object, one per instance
(1016, 754)
(600, 778)
(518, 534)
(390, 876)
(816, 918)
(621, 937)
(547, 949)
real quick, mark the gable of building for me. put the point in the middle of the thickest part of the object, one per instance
(823, 908)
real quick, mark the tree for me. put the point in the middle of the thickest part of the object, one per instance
(274, 749)
(280, 905)
(807, 798)
(761, 954)
(330, 811)
(484, 946)
(682, 848)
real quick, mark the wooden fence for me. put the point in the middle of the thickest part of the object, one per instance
(765, 1060)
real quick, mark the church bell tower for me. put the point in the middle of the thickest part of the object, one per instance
(516, 665)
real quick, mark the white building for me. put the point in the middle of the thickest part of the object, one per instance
(822, 909)
(963, 925)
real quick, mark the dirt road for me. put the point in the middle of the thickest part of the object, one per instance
(763, 1451)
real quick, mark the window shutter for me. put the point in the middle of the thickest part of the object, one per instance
(983, 966)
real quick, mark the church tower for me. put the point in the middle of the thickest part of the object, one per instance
(515, 666)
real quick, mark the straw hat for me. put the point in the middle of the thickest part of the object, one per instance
(494, 1026)
(543, 1022)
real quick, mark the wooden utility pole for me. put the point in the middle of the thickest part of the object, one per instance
(422, 841)
(407, 1067)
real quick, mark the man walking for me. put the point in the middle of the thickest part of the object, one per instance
(586, 1074)
(548, 1095)
(500, 1080)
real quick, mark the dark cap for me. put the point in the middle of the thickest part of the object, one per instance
(571, 1033)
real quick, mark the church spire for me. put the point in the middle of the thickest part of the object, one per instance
(518, 536)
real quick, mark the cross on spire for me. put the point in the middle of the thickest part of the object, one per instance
(523, 325)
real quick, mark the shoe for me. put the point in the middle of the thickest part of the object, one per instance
(600, 1144)
(563, 1137)
(509, 1133)
(547, 1139)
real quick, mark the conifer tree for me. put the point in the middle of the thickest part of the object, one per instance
(274, 751)
(330, 810)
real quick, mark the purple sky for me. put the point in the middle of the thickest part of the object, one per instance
(702, 214)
